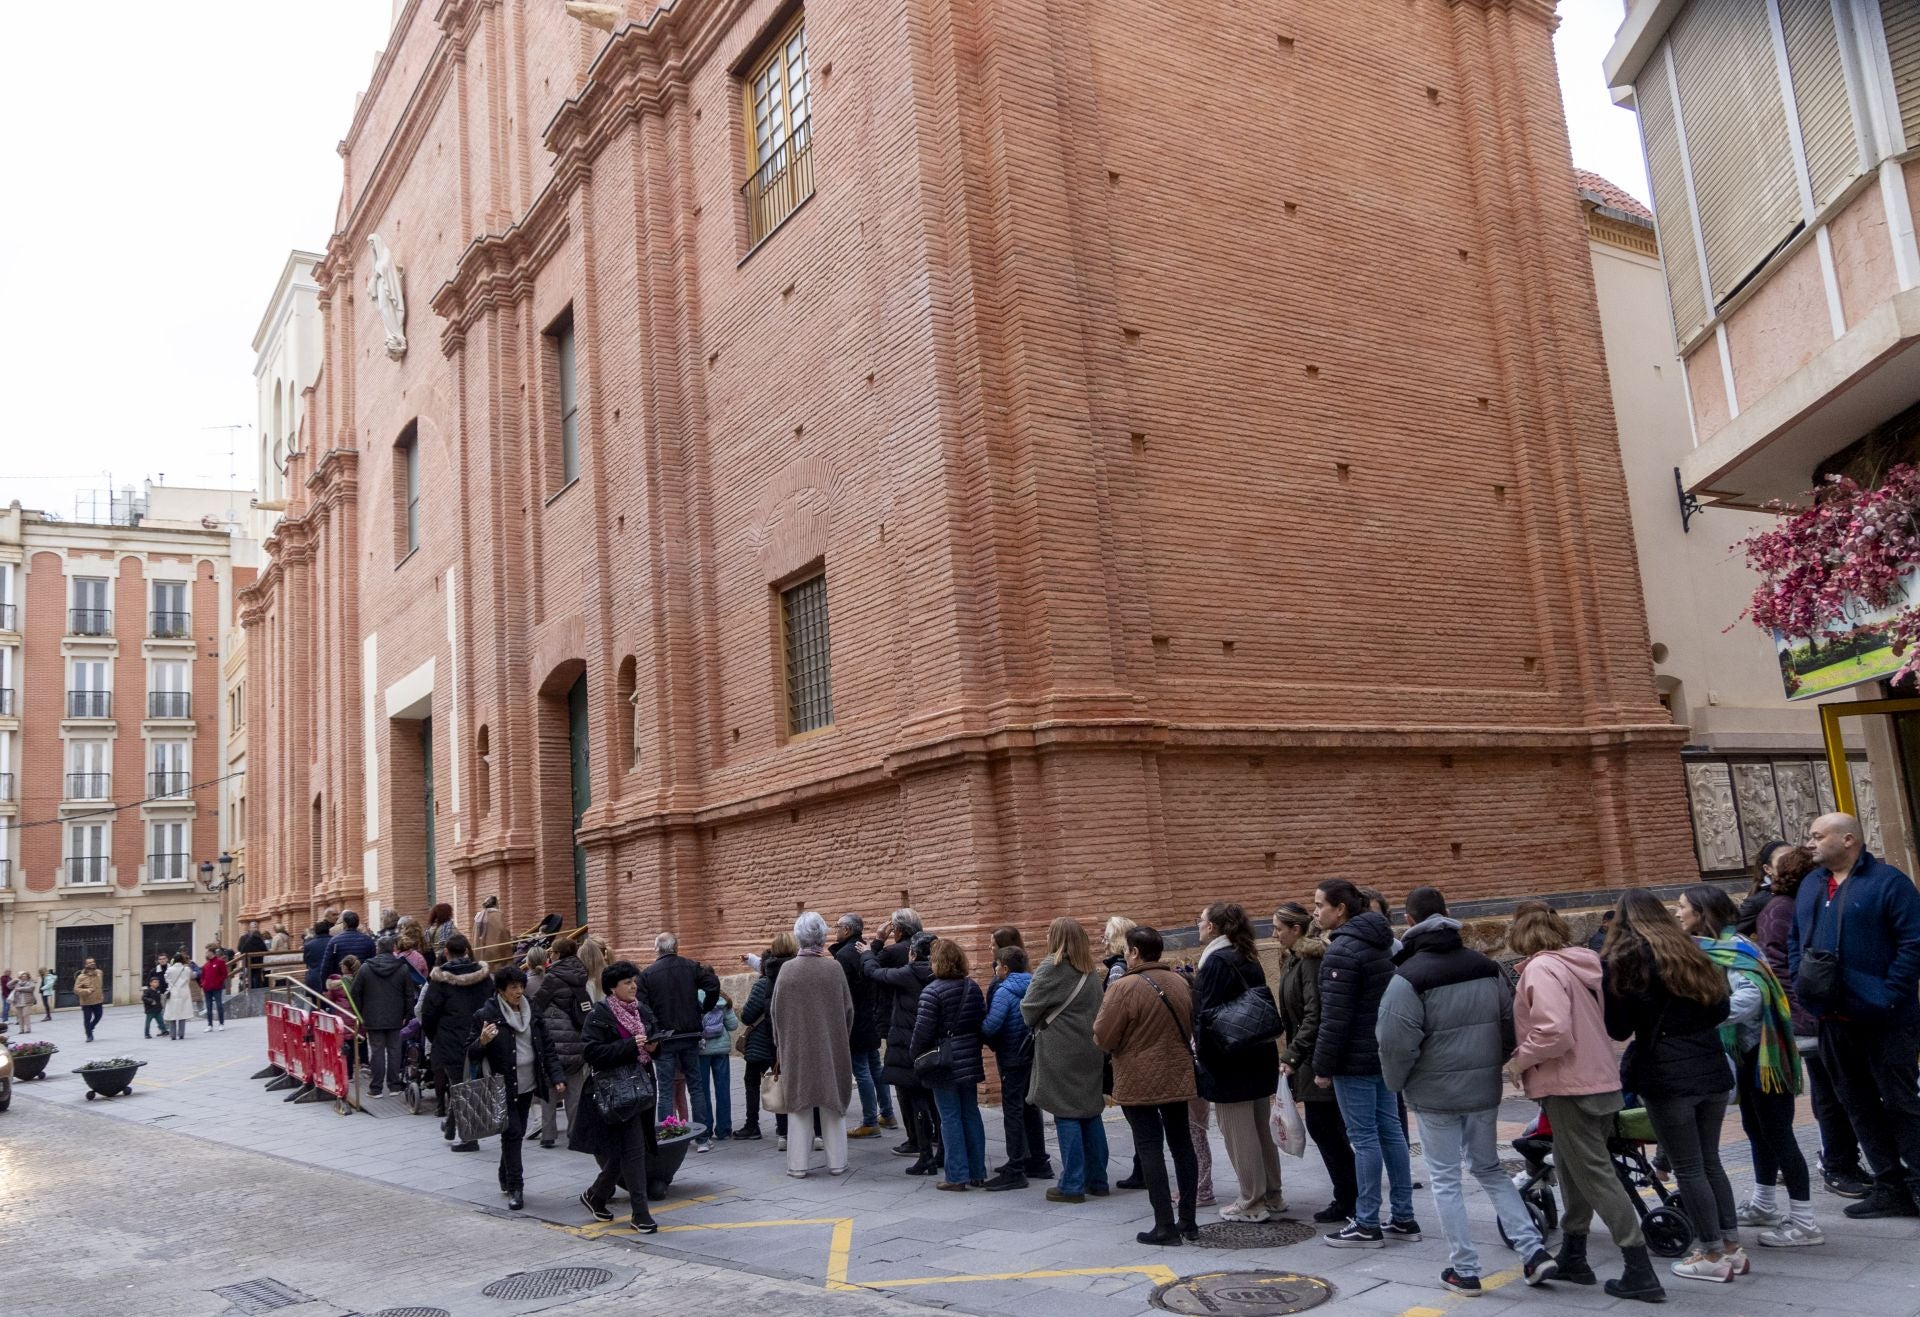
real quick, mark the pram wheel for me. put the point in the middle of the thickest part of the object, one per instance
(1542, 1207)
(415, 1098)
(1668, 1231)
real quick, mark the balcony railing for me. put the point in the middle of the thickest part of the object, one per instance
(6, 874)
(169, 704)
(171, 867)
(87, 870)
(783, 180)
(7, 699)
(89, 621)
(6, 786)
(89, 786)
(162, 786)
(9, 617)
(89, 704)
(170, 624)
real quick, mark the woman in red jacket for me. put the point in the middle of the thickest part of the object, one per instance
(213, 985)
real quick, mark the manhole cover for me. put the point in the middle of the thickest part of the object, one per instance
(546, 1284)
(261, 1295)
(1242, 1294)
(412, 1312)
(1261, 1234)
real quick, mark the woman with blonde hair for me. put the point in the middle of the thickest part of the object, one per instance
(1060, 1007)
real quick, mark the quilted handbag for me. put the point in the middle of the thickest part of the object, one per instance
(1247, 1021)
(622, 1093)
(478, 1107)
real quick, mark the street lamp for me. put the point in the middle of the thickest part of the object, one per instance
(226, 872)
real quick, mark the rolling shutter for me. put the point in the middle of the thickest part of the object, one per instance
(1901, 18)
(1820, 93)
(1736, 131)
(1671, 218)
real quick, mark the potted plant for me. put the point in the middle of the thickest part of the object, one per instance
(30, 1059)
(109, 1076)
(673, 1137)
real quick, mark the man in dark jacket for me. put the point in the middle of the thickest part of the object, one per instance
(383, 992)
(349, 941)
(1445, 1029)
(562, 1004)
(1865, 913)
(876, 1103)
(253, 945)
(454, 992)
(1346, 1057)
(671, 987)
(313, 952)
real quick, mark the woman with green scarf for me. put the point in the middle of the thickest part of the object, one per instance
(1758, 1035)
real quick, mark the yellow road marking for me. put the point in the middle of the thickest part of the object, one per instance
(1157, 1274)
(1493, 1282)
(595, 1229)
(184, 1079)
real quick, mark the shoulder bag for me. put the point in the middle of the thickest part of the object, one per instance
(1249, 1020)
(1186, 1039)
(622, 1092)
(1819, 981)
(939, 1063)
(1033, 1032)
(478, 1107)
(773, 1091)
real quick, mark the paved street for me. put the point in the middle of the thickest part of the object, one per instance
(168, 1173)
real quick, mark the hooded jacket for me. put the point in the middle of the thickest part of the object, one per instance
(454, 992)
(1297, 994)
(1445, 1025)
(1354, 974)
(1560, 1022)
(383, 990)
(1005, 1028)
(906, 981)
(563, 1004)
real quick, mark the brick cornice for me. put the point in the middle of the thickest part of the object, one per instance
(335, 481)
(644, 66)
(1540, 10)
(498, 269)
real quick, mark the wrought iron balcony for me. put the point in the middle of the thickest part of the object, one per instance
(9, 617)
(165, 786)
(170, 625)
(783, 180)
(89, 786)
(169, 704)
(89, 704)
(87, 870)
(170, 867)
(89, 621)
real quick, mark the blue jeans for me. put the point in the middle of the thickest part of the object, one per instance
(1449, 1140)
(1372, 1118)
(962, 1135)
(715, 1083)
(216, 1000)
(1083, 1153)
(669, 1063)
(875, 1101)
(90, 1018)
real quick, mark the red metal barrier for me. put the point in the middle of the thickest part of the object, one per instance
(329, 1059)
(299, 1045)
(277, 1035)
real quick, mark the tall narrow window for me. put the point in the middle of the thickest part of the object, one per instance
(561, 336)
(406, 467)
(88, 695)
(803, 626)
(169, 778)
(88, 777)
(169, 696)
(169, 860)
(169, 609)
(87, 854)
(780, 135)
(89, 615)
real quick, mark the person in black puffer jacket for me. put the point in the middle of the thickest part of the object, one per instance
(902, 970)
(1240, 1083)
(756, 1017)
(1354, 975)
(454, 992)
(876, 1104)
(562, 1003)
(952, 1008)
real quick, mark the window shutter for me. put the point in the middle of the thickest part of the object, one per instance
(1736, 136)
(1820, 92)
(1671, 218)
(1901, 19)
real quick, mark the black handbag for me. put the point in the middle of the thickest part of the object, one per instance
(1819, 981)
(1249, 1020)
(622, 1093)
(478, 1107)
(938, 1064)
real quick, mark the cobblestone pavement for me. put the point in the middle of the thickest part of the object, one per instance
(735, 1227)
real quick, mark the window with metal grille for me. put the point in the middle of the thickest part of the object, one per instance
(780, 135)
(809, 672)
(561, 336)
(406, 463)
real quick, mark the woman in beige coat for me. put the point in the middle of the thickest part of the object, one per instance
(812, 1023)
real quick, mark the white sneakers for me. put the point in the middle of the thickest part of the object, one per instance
(1249, 1215)
(1698, 1266)
(1751, 1213)
(1791, 1235)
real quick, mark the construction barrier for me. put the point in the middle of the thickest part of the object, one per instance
(277, 1029)
(329, 1057)
(299, 1044)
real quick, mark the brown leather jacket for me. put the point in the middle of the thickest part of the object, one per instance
(1152, 1061)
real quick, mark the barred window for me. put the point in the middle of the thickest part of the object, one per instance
(803, 624)
(779, 134)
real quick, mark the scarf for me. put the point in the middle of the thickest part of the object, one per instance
(813, 951)
(520, 1024)
(626, 1015)
(1212, 947)
(1779, 1057)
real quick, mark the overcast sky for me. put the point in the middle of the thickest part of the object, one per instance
(162, 169)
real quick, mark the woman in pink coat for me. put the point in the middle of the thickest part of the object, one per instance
(1565, 1061)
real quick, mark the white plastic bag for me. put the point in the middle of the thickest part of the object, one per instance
(1289, 1131)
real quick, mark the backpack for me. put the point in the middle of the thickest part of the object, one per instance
(713, 1024)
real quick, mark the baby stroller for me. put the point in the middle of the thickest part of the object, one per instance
(418, 1077)
(1667, 1230)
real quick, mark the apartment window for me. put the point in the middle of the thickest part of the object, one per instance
(779, 134)
(406, 466)
(169, 778)
(804, 642)
(89, 614)
(169, 860)
(89, 773)
(561, 336)
(237, 706)
(9, 702)
(87, 854)
(169, 695)
(9, 616)
(6, 776)
(87, 692)
(170, 609)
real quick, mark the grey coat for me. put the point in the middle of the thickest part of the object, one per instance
(1446, 1022)
(812, 1018)
(1067, 1064)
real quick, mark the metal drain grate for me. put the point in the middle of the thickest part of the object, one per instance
(1253, 1234)
(412, 1312)
(262, 1295)
(1242, 1294)
(546, 1284)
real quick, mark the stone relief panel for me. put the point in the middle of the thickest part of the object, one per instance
(1799, 799)
(1754, 793)
(1865, 807)
(1716, 828)
(1740, 805)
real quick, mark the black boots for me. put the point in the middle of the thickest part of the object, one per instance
(516, 1199)
(1006, 1179)
(1573, 1261)
(1189, 1228)
(1160, 1234)
(1638, 1281)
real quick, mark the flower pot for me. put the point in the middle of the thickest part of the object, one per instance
(32, 1065)
(666, 1163)
(109, 1082)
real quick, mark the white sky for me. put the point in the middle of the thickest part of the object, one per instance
(150, 214)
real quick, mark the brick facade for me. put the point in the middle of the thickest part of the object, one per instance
(1202, 426)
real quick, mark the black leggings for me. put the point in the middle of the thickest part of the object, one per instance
(1329, 1134)
(1767, 1119)
(1689, 1132)
(1165, 1126)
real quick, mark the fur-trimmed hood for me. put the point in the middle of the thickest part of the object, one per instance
(461, 973)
